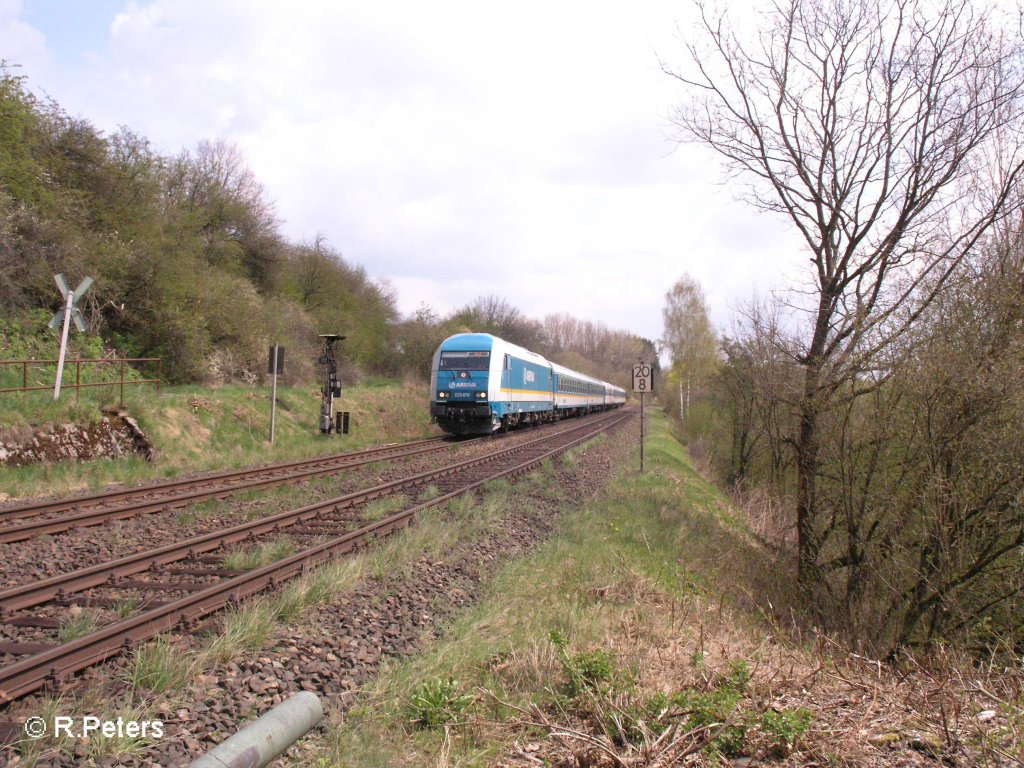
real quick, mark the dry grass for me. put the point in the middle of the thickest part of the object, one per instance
(770, 518)
(671, 595)
(942, 710)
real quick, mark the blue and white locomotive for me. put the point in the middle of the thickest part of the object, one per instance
(480, 383)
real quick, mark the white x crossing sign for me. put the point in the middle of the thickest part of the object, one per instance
(65, 316)
(76, 313)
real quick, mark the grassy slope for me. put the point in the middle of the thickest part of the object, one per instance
(649, 609)
(660, 601)
(196, 429)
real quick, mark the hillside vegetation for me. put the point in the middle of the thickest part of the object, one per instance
(197, 429)
(185, 249)
(191, 267)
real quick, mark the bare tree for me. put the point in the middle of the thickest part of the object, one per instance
(593, 348)
(869, 124)
(756, 392)
(227, 207)
(315, 264)
(496, 315)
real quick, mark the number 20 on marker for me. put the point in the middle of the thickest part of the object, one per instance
(642, 377)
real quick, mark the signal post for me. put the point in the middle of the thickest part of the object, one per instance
(643, 382)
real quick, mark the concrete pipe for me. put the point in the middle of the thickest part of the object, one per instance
(267, 737)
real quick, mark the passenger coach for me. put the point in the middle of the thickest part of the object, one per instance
(480, 383)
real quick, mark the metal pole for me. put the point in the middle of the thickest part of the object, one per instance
(63, 345)
(273, 399)
(641, 432)
(261, 741)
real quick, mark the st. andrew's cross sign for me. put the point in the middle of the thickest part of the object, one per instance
(65, 316)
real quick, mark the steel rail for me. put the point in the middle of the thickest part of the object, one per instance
(55, 664)
(35, 593)
(61, 505)
(88, 518)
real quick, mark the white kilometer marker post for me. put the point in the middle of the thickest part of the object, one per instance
(643, 382)
(66, 315)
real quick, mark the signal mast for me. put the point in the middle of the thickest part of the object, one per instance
(332, 386)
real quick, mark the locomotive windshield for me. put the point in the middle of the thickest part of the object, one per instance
(465, 361)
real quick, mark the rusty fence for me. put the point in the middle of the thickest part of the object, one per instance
(120, 365)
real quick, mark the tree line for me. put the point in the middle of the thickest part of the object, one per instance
(583, 345)
(190, 265)
(880, 402)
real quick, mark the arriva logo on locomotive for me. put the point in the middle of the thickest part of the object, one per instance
(461, 385)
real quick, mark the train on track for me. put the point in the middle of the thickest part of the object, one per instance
(480, 384)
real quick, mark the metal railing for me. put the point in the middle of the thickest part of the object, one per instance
(78, 384)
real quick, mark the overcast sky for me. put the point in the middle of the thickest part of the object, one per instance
(456, 149)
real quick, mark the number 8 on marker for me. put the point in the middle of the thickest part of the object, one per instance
(642, 378)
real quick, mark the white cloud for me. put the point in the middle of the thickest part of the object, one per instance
(456, 149)
(20, 42)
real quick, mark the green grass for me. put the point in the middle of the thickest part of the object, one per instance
(125, 606)
(664, 537)
(76, 625)
(645, 610)
(32, 750)
(316, 589)
(249, 558)
(207, 429)
(30, 339)
(159, 666)
(97, 749)
(120, 747)
(430, 492)
(437, 703)
(640, 561)
(381, 508)
(252, 625)
(245, 628)
(571, 457)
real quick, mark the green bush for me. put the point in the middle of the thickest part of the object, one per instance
(712, 710)
(784, 727)
(587, 670)
(437, 703)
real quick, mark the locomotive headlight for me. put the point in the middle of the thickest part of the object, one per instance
(442, 395)
(481, 395)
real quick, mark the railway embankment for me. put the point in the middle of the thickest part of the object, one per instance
(329, 632)
(650, 628)
(111, 436)
(188, 430)
(583, 614)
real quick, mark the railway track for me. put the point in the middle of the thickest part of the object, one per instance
(187, 580)
(49, 517)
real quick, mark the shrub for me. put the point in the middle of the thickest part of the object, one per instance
(438, 703)
(587, 670)
(784, 727)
